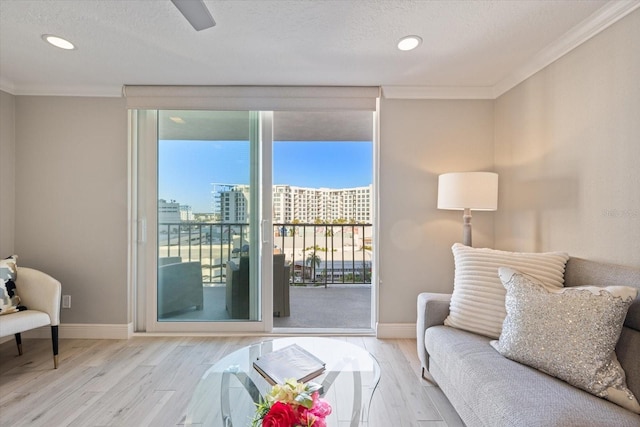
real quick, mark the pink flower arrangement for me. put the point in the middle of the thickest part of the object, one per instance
(292, 404)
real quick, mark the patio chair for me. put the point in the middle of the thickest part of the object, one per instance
(179, 287)
(237, 289)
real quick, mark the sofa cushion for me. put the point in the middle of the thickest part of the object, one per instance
(570, 333)
(483, 385)
(477, 303)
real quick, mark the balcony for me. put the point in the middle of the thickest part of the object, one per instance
(329, 266)
(318, 254)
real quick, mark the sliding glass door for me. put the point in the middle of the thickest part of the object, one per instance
(201, 204)
(201, 215)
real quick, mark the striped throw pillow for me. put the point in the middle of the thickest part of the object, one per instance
(477, 303)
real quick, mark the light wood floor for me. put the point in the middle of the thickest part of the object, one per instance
(148, 381)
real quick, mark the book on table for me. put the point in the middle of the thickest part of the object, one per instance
(288, 362)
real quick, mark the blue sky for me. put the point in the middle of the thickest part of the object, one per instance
(187, 168)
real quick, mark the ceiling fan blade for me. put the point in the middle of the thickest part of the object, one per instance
(196, 13)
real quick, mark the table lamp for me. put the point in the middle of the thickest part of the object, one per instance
(468, 191)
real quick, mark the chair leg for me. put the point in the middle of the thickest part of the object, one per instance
(19, 343)
(54, 341)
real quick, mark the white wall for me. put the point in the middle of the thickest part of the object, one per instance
(420, 139)
(7, 173)
(71, 200)
(568, 152)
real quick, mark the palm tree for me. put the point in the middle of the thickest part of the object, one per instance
(313, 260)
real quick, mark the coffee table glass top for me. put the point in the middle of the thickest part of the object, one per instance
(227, 392)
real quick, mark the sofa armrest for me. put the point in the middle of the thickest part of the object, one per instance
(432, 310)
(39, 291)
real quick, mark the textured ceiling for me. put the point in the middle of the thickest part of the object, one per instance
(276, 42)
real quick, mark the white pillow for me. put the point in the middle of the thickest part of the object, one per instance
(569, 333)
(477, 303)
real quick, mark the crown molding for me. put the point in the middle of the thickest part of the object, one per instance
(79, 91)
(603, 18)
(437, 92)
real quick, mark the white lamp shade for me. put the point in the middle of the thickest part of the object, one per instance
(468, 190)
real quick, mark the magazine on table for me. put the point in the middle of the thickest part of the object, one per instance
(291, 361)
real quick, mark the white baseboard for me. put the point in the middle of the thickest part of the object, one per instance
(125, 331)
(84, 331)
(396, 330)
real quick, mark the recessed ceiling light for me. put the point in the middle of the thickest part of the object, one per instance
(58, 42)
(409, 42)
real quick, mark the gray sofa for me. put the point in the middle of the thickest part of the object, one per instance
(487, 389)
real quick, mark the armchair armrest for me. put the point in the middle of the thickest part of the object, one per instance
(432, 310)
(39, 291)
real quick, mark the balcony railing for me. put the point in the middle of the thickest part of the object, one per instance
(319, 254)
(326, 253)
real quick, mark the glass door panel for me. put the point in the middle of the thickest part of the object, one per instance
(323, 214)
(208, 216)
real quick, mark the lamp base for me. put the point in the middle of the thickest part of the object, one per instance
(466, 227)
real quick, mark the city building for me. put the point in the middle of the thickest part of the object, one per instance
(301, 204)
(186, 213)
(173, 212)
(168, 212)
(231, 202)
(309, 205)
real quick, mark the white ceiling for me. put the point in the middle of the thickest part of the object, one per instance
(473, 45)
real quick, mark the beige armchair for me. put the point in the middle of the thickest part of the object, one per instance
(40, 293)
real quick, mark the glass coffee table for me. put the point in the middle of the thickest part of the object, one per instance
(227, 393)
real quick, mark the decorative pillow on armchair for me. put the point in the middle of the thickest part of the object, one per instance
(9, 299)
(569, 333)
(9, 268)
(477, 303)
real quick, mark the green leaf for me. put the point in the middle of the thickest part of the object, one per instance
(305, 400)
(311, 387)
(262, 407)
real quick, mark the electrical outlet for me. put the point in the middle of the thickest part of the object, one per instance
(66, 301)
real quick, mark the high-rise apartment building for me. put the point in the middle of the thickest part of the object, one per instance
(231, 202)
(291, 203)
(308, 205)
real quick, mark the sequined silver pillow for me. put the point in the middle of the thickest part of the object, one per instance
(569, 333)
